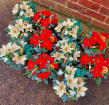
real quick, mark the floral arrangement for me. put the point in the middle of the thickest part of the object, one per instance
(50, 49)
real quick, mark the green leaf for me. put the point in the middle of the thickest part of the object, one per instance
(28, 72)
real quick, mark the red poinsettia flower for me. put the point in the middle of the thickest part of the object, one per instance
(97, 72)
(43, 75)
(34, 40)
(46, 13)
(54, 19)
(31, 65)
(85, 60)
(102, 45)
(87, 42)
(36, 16)
(47, 44)
(45, 22)
(45, 34)
(41, 62)
(106, 62)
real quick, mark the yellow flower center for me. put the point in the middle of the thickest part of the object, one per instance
(15, 31)
(70, 81)
(68, 25)
(61, 87)
(72, 32)
(58, 56)
(79, 89)
(28, 14)
(66, 49)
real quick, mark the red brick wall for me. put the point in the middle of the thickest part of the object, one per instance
(95, 12)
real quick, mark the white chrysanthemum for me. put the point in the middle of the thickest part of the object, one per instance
(15, 9)
(66, 48)
(58, 56)
(72, 82)
(29, 13)
(20, 25)
(76, 54)
(59, 27)
(81, 89)
(60, 87)
(68, 23)
(63, 41)
(4, 50)
(19, 59)
(71, 70)
(14, 32)
(24, 5)
(74, 32)
(29, 27)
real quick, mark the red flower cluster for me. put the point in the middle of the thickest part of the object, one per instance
(45, 18)
(41, 61)
(96, 40)
(43, 75)
(98, 61)
(45, 39)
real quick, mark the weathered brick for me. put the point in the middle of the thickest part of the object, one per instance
(99, 24)
(107, 21)
(76, 7)
(95, 15)
(61, 1)
(104, 11)
(82, 17)
(102, 2)
(90, 4)
(65, 10)
(49, 3)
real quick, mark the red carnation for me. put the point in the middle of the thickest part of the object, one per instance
(34, 40)
(45, 22)
(43, 75)
(97, 72)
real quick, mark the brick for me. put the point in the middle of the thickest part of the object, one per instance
(107, 21)
(95, 15)
(102, 2)
(101, 25)
(104, 11)
(49, 3)
(82, 17)
(65, 10)
(74, 0)
(64, 2)
(76, 7)
(90, 4)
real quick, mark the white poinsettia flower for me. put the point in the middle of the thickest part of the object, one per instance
(63, 41)
(72, 82)
(14, 32)
(15, 9)
(13, 47)
(5, 59)
(76, 54)
(25, 34)
(20, 25)
(66, 32)
(57, 44)
(24, 5)
(60, 87)
(58, 56)
(29, 27)
(72, 92)
(19, 59)
(71, 70)
(73, 32)
(4, 50)
(66, 48)
(68, 23)
(71, 58)
(9, 26)
(59, 27)
(81, 90)
(22, 43)
(29, 13)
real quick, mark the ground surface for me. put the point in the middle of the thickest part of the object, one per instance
(16, 89)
